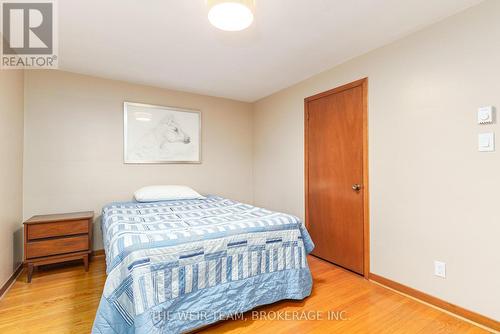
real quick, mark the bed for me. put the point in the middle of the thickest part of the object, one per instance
(175, 266)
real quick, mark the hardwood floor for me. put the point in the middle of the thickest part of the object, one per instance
(65, 299)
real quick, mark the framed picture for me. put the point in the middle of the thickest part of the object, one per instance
(161, 135)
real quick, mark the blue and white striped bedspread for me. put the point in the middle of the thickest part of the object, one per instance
(175, 266)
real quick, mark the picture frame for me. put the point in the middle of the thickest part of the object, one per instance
(154, 134)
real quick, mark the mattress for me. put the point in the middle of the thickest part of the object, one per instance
(175, 266)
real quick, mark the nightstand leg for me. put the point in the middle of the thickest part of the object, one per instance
(86, 262)
(30, 272)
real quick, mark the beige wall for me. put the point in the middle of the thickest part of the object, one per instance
(433, 195)
(11, 171)
(74, 144)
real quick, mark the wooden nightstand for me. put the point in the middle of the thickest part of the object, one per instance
(57, 238)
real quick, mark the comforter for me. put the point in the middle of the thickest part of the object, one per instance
(175, 266)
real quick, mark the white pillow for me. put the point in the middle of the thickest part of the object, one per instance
(165, 193)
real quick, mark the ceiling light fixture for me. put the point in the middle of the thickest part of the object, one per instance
(231, 15)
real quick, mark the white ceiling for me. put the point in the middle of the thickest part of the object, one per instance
(170, 43)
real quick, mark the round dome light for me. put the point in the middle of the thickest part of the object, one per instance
(230, 15)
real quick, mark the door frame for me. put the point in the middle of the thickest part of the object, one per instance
(363, 83)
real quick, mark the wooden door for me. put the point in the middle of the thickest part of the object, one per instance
(336, 175)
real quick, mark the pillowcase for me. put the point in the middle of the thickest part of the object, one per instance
(165, 193)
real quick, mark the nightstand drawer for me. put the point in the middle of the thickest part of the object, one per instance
(57, 229)
(56, 246)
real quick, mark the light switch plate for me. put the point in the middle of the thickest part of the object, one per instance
(486, 142)
(485, 115)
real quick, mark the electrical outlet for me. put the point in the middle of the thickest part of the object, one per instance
(440, 269)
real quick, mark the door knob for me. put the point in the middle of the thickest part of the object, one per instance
(356, 187)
